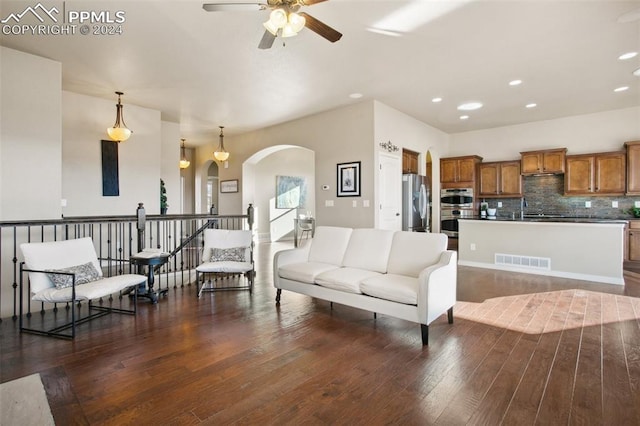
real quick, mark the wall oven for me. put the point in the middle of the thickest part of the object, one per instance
(457, 197)
(455, 203)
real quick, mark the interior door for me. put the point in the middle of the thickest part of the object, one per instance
(390, 192)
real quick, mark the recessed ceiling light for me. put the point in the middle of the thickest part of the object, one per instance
(531, 105)
(470, 106)
(464, 117)
(628, 55)
(515, 82)
(436, 100)
(637, 72)
(355, 95)
(621, 89)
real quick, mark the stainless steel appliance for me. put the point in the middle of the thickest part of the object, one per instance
(457, 197)
(455, 203)
(415, 203)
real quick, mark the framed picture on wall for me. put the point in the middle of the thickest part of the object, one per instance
(229, 186)
(349, 179)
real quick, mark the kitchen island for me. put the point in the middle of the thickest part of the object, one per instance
(584, 249)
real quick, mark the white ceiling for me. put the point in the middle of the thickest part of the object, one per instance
(203, 69)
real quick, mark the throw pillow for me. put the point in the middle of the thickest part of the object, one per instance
(233, 254)
(84, 274)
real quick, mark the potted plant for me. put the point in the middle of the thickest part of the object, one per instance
(163, 198)
(634, 211)
(483, 209)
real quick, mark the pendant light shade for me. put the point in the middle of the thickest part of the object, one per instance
(184, 163)
(221, 154)
(119, 132)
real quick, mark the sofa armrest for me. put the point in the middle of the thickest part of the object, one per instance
(437, 287)
(287, 257)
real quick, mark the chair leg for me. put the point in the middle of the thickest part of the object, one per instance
(425, 334)
(450, 315)
(278, 293)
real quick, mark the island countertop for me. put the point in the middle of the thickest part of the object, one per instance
(582, 248)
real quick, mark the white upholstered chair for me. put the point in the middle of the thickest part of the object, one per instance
(68, 272)
(226, 253)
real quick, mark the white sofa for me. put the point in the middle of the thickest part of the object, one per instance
(408, 275)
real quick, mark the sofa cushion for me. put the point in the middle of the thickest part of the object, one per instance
(369, 249)
(397, 288)
(305, 272)
(411, 252)
(344, 279)
(329, 244)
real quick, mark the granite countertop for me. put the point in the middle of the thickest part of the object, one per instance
(542, 218)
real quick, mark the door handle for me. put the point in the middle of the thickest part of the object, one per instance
(397, 214)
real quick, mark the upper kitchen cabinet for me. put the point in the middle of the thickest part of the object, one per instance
(459, 172)
(500, 179)
(633, 167)
(595, 174)
(409, 161)
(549, 161)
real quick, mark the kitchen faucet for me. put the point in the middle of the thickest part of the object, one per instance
(523, 205)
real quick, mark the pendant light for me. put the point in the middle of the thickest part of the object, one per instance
(119, 131)
(221, 154)
(184, 163)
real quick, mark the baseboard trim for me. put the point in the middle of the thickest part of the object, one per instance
(558, 274)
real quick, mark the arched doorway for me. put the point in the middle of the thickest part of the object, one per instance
(212, 187)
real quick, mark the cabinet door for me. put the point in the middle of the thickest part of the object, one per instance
(610, 173)
(489, 179)
(510, 179)
(531, 163)
(633, 169)
(448, 171)
(466, 170)
(578, 177)
(553, 162)
(634, 244)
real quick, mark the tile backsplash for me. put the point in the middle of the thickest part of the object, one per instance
(545, 194)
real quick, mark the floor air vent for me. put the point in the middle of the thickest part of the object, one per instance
(523, 261)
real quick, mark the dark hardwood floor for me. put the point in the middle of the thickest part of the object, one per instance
(523, 349)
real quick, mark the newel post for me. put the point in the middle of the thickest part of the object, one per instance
(250, 214)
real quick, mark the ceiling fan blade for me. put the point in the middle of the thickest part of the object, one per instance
(321, 28)
(267, 40)
(224, 7)
(309, 2)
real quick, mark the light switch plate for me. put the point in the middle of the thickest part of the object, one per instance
(354, 203)
(587, 204)
(328, 203)
(365, 203)
(499, 204)
(614, 204)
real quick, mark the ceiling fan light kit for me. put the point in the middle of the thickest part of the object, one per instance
(284, 19)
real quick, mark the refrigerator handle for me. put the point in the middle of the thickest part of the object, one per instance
(423, 202)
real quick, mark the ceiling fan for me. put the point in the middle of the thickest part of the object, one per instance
(284, 20)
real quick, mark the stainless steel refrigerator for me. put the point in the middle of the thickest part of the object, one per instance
(415, 203)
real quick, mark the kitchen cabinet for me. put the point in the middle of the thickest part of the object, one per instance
(459, 172)
(633, 167)
(595, 174)
(549, 161)
(409, 161)
(633, 241)
(500, 179)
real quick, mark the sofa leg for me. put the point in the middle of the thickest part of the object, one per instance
(425, 334)
(375, 315)
(450, 315)
(278, 293)
(331, 304)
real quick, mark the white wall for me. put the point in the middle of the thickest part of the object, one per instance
(169, 165)
(580, 134)
(407, 132)
(85, 120)
(337, 136)
(30, 136)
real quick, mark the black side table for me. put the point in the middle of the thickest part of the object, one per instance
(150, 261)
